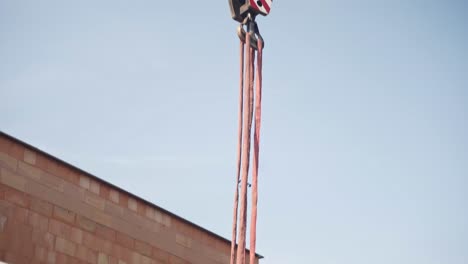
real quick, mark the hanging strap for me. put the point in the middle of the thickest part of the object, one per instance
(246, 114)
(258, 118)
(247, 125)
(239, 154)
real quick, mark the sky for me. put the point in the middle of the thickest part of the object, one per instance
(364, 149)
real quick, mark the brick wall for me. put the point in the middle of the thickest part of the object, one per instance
(51, 212)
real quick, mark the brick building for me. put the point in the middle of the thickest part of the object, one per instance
(53, 212)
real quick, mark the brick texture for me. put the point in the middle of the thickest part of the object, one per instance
(64, 214)
(64, 246)
(143, 248)
(38, 221)
(41, 207)
(53, 213)
(30, 157)
(7, 161)
(85, 224)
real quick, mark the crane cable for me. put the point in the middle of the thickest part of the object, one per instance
(246, 112)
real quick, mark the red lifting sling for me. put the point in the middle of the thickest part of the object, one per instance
(252, 42)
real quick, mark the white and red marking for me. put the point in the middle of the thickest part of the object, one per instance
(265, 6)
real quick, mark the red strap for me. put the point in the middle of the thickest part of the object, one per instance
(247, 124)
(239, 156)
(258, 117)
(246, 111)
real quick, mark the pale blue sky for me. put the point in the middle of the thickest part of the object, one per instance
(364, 139)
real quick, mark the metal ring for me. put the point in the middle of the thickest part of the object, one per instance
(241, 33)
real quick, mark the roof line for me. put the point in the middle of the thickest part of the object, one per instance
(118, 188)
